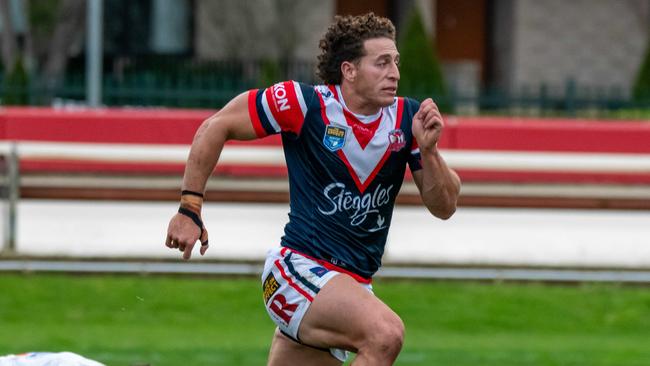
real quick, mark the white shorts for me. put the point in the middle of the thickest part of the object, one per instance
(290, 282)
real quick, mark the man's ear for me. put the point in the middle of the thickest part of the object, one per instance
(349, 71)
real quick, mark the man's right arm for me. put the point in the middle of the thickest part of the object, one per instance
(232, 122)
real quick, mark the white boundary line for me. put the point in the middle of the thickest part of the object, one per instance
(511, 274)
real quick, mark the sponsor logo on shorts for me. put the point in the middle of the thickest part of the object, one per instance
(319, 271)
(282, 309)
(270, 286)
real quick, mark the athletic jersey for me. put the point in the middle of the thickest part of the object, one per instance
(345, 170)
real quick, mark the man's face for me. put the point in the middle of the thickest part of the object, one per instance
(377, 72)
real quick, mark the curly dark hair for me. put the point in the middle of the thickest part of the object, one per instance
(344, 39)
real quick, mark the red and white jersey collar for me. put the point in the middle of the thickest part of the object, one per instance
(363, 162)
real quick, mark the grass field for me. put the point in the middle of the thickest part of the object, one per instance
(175, 321)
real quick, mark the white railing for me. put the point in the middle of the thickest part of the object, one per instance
(580, 162)
(497, 161)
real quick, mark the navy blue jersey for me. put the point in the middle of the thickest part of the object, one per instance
(345, 170)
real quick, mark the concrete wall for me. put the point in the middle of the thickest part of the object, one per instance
(270, 29)
(597, 43)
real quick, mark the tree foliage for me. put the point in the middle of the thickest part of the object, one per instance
(16, 85)
(641, 89)
(421, 74)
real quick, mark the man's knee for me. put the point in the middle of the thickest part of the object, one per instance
(386, 339)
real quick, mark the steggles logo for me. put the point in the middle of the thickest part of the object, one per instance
(360, 207)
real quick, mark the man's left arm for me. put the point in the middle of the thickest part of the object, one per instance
(438, 184)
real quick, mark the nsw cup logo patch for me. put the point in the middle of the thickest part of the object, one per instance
(334, 138)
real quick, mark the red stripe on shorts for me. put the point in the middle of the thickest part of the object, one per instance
(291, 283)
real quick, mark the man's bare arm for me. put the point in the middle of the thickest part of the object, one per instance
(232, 122)
(439, 185)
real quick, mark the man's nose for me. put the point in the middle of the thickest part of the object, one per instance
(393, 73)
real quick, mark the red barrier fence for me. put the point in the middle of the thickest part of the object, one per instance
(480, 136)
(560, 135)
(173, 126)
(136, 126)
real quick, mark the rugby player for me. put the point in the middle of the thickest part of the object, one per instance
(347, 144)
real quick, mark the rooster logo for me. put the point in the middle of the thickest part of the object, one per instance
(396, 140)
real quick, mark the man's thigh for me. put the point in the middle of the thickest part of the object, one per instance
(345, 315)
(323, 308)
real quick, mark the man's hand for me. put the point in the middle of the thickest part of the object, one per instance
(182, 234)
(427, 126)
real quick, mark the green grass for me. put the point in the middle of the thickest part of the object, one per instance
(172, 321)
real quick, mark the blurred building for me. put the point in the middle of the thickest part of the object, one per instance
(599, 43)
(508, 45)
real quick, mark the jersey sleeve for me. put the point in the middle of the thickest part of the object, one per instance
(279, 108)
(414, 159)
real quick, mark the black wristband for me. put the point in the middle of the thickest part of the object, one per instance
(197, 220)
(192, 215)
(191, 193)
